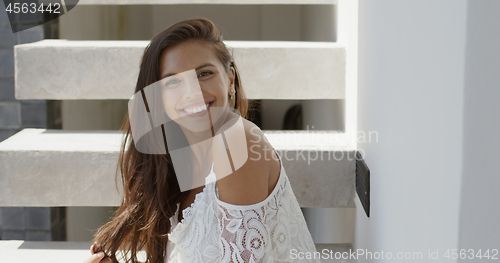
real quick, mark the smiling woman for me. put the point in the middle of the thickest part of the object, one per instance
(232, 203)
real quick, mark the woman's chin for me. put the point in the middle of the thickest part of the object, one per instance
(196, 127)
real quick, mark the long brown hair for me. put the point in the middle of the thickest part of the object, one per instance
(150, 187)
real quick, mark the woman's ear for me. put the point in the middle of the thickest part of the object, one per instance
(232, 77)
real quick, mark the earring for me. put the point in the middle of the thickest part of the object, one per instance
(232, 95)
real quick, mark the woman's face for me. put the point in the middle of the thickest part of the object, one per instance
(193, 77)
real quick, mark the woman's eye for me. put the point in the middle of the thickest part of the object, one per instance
(205, 73)
(171, 82)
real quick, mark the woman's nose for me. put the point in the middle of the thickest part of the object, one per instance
(192, 87)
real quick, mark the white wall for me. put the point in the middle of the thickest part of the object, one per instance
(480, 194)
(107, 22)
(83, 222)
(93, 114)
(411, 91)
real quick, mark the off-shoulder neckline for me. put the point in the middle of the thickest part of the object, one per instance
(212, 185)
(191, 207)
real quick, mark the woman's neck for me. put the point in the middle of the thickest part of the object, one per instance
(201, 142)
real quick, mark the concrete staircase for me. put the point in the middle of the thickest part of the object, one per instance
(43, 167)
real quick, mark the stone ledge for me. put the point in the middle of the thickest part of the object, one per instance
(77, 168)
(67, 70)
(44, 252)
(76, 252)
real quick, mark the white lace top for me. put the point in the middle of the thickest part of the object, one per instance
(215, 231)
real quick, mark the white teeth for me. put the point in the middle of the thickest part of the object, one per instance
(197, 109)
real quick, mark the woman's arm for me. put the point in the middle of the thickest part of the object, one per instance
(243, 197)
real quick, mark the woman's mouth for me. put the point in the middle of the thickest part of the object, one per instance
(197, 111)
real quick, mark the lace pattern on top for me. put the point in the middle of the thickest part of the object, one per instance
(216, 231)
(245, 231)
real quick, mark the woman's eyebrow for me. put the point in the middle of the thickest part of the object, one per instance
(199, 67)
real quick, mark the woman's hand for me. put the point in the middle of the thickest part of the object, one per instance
(97, 256)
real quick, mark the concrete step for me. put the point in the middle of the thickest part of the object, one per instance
(43, 167)
(67, 70)
(68, 252)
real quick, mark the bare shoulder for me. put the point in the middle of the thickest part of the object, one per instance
(248, 182)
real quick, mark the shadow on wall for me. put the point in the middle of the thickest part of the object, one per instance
(293, 118)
